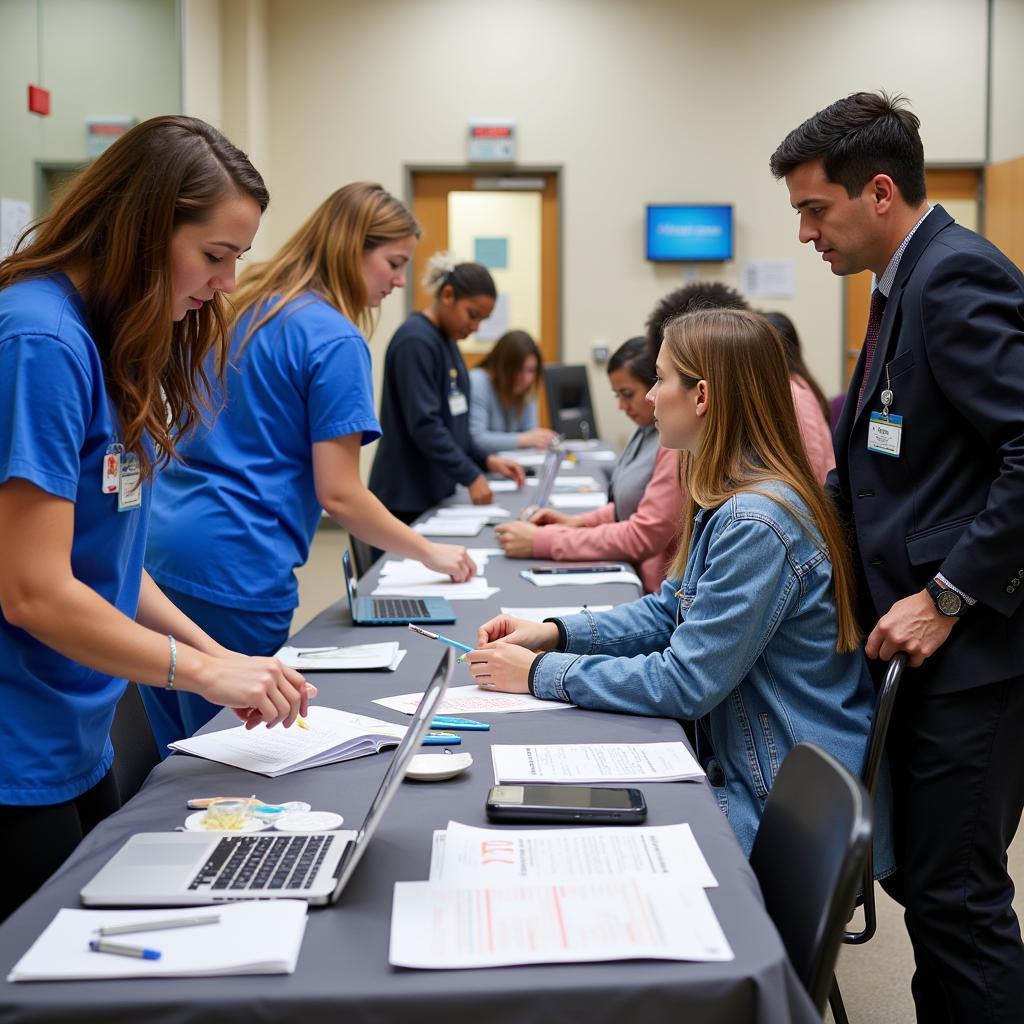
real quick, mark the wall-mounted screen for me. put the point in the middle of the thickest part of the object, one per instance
(689, 233)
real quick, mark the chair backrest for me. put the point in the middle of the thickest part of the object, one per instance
(135, 750)
(884, 703)
(808, 856)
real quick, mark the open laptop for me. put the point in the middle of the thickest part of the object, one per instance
(393, 611)
(545, 481)
(194, 868)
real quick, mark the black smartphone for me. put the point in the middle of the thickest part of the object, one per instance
(576, 805)
(561, 570)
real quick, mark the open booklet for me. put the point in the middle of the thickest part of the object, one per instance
(331, 736)
(587, 763)
(354, 657)
(247, 938)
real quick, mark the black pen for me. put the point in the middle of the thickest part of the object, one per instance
(541, 570)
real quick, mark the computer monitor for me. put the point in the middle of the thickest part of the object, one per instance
(569, 404)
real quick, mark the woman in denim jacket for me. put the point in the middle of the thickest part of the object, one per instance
(753, 636)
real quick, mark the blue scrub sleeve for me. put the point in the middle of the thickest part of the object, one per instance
(340, 390)
(46, 399)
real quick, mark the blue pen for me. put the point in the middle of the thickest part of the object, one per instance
(120, 949)
(441, 739)
(466, 724)
(443, 639)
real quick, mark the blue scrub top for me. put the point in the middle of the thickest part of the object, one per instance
(232, 523)
(56, 423)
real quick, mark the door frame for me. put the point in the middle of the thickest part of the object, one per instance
(551, 348)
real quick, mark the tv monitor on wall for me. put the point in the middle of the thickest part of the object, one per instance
(689, 233)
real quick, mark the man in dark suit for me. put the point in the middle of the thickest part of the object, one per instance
(930, 480)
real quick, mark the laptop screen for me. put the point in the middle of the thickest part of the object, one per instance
(346, 571)
(404, 753)
(546, 484)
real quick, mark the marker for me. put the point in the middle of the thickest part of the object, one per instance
(119, 949)
(443, 639)
(466, 724)
(438, 739)
(301, 722)
(157, 926)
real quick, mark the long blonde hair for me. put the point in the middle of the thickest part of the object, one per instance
(325, 256)
(751, 437)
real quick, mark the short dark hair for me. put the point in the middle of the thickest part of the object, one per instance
(856, 138)
(634, 357)
(688, 299)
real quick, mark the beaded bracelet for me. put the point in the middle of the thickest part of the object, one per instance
(174, 663)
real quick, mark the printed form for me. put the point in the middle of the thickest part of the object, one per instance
(594, 762)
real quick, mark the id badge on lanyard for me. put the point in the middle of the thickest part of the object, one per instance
(457, 404)
(885, 429)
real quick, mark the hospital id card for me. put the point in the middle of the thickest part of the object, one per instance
(885, 433)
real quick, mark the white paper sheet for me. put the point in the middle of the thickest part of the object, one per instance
(471, 700)
(571, 483)
(435, 527)
(437, 925)
(502, 486)
(355, 657)
(472, 512)
(332, 736)
(475, 589)
(593, 499)
(594, 762)
(251, 938)
(583, 579)
(553, 612)
(471, 855)
(602, 456)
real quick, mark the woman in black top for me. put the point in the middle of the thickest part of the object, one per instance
(426, 448)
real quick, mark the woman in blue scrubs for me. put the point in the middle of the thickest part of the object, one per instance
(106, 317)
(233, 521)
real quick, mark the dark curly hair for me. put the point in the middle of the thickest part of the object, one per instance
(688, 299)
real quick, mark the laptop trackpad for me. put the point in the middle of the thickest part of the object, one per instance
(156, 854)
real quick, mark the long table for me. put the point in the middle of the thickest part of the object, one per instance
(343, 971)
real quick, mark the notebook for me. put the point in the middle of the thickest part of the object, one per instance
(193, 868)
(330, 736)
(394, 610)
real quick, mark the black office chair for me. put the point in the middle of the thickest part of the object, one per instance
(808, 857)
(135, 753)
(884, 703)
(362, 556)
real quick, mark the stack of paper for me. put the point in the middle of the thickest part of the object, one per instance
(585, 763)
(434, 527)
(446, 925)
(595, 499)
(604, 455)
(473, 512)
(361, 657)
(412, 578)
(533, 457)
(471, 700)
(331, 736)
(553, 612)
(580, 579)
(250, 938)
(463, 853)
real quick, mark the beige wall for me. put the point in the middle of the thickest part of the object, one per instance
(101, 57)
(1007, 80)
(649, 100)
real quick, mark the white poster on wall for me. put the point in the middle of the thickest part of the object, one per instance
(769, 279)
(496, 324)
(14, 218)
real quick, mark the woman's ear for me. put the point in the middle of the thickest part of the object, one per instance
(701, 407)
(447, 295)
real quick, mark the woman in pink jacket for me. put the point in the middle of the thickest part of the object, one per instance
(641, 521)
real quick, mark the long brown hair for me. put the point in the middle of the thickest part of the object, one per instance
(325, 256)
(505, 360)
(751, 437)
(795, 358)
(115, 220)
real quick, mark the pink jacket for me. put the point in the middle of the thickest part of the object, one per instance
(648, 538)
(814, 429)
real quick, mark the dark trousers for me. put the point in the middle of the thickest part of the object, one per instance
(37, 840)
(957, 765)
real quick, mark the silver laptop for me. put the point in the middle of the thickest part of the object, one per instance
(192, 868)
(545, 482)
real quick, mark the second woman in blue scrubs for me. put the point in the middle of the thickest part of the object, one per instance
(234, 520)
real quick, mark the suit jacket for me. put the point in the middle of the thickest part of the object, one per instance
(951, 347)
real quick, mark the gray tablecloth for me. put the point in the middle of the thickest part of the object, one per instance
(343, 971)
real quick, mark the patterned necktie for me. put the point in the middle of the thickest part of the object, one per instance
(875, 315)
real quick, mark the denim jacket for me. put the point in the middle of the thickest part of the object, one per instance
(745, 645)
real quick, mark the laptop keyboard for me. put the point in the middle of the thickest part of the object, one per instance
(263, 862)
(399, 608)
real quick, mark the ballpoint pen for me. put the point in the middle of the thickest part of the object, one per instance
(443, 639)
(119, 949)
(156, 926)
